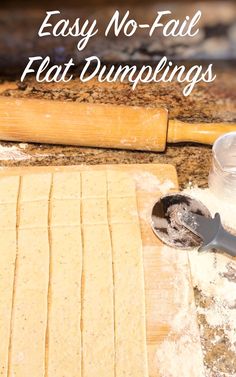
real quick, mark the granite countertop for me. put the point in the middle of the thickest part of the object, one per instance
(214, 102)
(192, 162)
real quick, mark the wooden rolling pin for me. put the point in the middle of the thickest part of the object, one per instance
(99, 125)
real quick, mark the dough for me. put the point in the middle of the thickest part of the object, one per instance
(32, 279)
(8, 194)
(65, 214)
(9, 189)
(66, 185)
(130, 322)
(94, 211)
(123, 210)
(35, 187)
(79, 303)
(8, 216)
(120, 184)
(94, 184)
(97, 314)
(64, 333)
(98, 307)
(30, 304)
(33, 214)
(131, 352)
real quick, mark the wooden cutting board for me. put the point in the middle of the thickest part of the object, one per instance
(172, 330)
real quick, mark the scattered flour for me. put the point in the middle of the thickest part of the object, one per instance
(214, 274)
(178, 358)
(180, 354)
(23, 145)
(17, 153)
(150, 183)
(12, 153)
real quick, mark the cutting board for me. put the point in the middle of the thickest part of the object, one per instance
(172, 330)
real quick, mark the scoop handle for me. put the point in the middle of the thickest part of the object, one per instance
(225, 241)
(222, 240)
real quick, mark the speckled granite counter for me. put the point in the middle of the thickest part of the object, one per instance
(215, 102)
(192, 162)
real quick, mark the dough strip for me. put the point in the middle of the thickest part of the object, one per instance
(9, 191)
(64, 332)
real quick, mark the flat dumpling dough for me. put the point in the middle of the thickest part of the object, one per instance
(120, 184)
(98, 321)
(130, 322)
(94, 184)
(35, 187)
(78, 307)
(66, 185)
(8, 200)
(9, 189)
(97, 294)
(64, 322)
(28, 338)
(130, 325)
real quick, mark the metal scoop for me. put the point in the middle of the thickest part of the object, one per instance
(177, 221)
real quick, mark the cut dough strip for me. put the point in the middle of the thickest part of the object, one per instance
(64, 333)
(27, 357)
(130, 323)
(8, 194)
(131, 351)
(98, 321)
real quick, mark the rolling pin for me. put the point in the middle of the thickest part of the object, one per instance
(99, 125)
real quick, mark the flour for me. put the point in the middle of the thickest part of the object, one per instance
(179, 358)
(17, 153)
(214, 275)
(12, 153)
(180, 354)
(150, 183)
(215, 204)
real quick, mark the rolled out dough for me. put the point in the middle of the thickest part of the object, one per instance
(131, 352)
(120, 184)
(97, 293)
(8, 194)
(64, 333)
(97, 312)
(79, 302)
(94, 184)
(130, 322)
(66, 186)
(28, 338)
